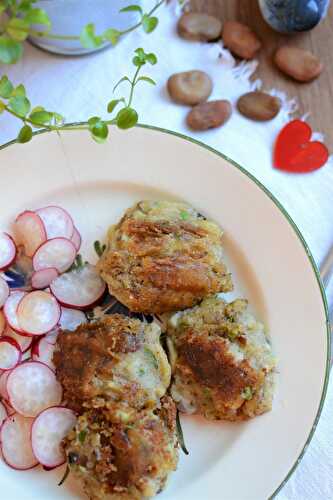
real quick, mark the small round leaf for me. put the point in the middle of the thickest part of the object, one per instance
(25, 134)
(127, 118)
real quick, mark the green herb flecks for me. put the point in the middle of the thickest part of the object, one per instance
(247, 393)
(99, 248)
(180, 434)
(184, 215)
(82, 436)
(77, 264)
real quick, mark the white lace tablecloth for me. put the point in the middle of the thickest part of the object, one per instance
(81, 87)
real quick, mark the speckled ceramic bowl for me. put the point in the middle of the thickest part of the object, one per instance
(293, 16)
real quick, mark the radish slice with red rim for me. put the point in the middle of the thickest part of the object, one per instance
(80, 288)
(10, 309)
(70, 319)
(4, 291)
(48, 431)
(76, 239)
(58, 223)
(3, 413)
(43, 351)
(7, 251)
(16, 445)
(2, 322)
(32, 387)
(3, 385)
(10, 353)
(59, 253)
(30, 231)
(43, 278)
(38, 312)
(23, 341)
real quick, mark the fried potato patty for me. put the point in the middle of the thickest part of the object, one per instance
(222, 364)
(163, 256)
(116, 358)
(122, 454)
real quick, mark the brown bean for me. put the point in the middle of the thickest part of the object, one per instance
(240, 40)
(299, 64)
(259, 106)
(208, 115)
(190, 87)
(196, 26)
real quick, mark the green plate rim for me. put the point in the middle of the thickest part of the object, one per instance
(304, 244)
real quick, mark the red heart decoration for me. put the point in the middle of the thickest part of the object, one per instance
(294, 151)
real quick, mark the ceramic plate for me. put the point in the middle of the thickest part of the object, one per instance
(272, 267)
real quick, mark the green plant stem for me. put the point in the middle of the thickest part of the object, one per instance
(133, 82)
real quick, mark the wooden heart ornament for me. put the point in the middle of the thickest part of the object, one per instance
(295, 152)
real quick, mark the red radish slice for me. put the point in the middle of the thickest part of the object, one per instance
(51, 337)
(38, 313)
(3, 385)
(30, 231)
(76, 239)
(10, 353)
(58, 223)
(70, 319)
(23, 341)
(16, 446)
(32, 387)
(2, 322)
(4, 291)
(7, 251)
(43, 351)
(43, 278)
(10, 309)
(48, 431)
(80, 288)
(3, 414)
(9, 409)
(59, 253)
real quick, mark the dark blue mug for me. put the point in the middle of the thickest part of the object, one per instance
(293, 16)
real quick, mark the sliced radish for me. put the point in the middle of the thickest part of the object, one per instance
(10, 353)
(7, 250)
(43, 278)
(4, 291)
(48, 430)
(80, 288)
(3, 385)
(3, 413)
(76, 239)
(16, 442)
(59, 253)
(38, 313)
(30, 231)
(10, 309)
(43, 351)
(9, 409)
(70, 319)
(51, 337)
(2, 322)
(32, 387)
(23, 341)
(58, 223)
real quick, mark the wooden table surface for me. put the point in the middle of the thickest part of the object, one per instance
(315, 97)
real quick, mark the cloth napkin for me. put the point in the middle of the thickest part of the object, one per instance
(80, 87)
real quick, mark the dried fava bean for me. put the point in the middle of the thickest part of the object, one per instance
(299, 64)
(196, 26)
(190, 87)
(240, 39)
(208, 115)
(259, 106)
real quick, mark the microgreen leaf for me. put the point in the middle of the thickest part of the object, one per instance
(20, 105)
(82, 436)
(18, 29)
(127, 118)
(184, 215)
(132, 8)
(37, 16)
(2, 107)
(99, 248)
(25, 134)
(123, 79)
(10, 50)
(98, 129)
(112, 35)
(146, 79)
(89, 39)
(149, 23)
(247, 393)
(112, 104)
(6, 87)
(19, 91)
(151, 58)
(41, 117)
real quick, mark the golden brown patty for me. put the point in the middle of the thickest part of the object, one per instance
(115, 358)
(164, 256)
(119, 453)
(222, 364)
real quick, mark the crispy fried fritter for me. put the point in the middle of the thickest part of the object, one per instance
(122, 454)
(222, 364)
(164, 256)
(116, 358)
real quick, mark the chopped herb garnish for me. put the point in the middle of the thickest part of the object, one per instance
(247, 393)
(180, 434)
(142, 372)
(99, 248)
(65, 476)
(184, 215)
(82, 436)
(151, 357)
(77, 264)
